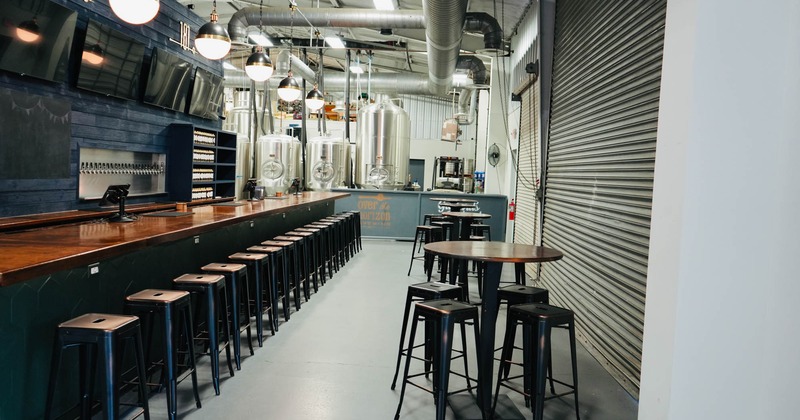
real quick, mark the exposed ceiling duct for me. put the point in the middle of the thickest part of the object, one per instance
(444, 24)
(491, 30)
(467, 102)
(323, 18)
(298, 67)
(475, 66)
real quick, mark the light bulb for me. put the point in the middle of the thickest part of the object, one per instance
(135, 12)
(212, 40)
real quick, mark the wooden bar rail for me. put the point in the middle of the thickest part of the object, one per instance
(31, 253)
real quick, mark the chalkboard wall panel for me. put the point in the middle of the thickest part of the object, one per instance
(98, 121)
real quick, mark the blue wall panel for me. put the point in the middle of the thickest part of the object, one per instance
(98, 121)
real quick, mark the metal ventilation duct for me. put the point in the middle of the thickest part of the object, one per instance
(443, 31)
(475, 66)
(488, 26)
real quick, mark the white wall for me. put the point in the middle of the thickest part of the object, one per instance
(721, 322)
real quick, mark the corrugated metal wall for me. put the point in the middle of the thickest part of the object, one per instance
(427, 115)
(601, 155)
(530, 166)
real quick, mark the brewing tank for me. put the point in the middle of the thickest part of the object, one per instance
(244, 165)
(382, 146)
(327, 162)
(277, 162)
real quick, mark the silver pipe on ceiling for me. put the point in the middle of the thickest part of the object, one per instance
(324, 18)
(444, 22)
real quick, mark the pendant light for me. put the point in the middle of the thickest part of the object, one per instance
(315, 99)
(259, 66)
(212, 40)
(28, 31)
(135, 12)
(288, 89)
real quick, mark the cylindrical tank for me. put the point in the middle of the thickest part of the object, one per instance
(277, 162)
(244, 165)
(327, 162)
(382, 146)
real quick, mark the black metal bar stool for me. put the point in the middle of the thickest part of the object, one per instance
(300, 260)
(339, 238)
(516, 295)
(482, 229)
(329, 230)
(443, 314)
(105, 334)
(175, 309)
(421, 292)
(327, 245)
(310, 260)
(357, 225)
(319, 252)
(256, 267)
(539, 319)
(348, 233)
(238, 301)
(212, 288)
(290, 271)
(424, 234)
(273, 277)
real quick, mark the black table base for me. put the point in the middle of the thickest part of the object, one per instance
(465, 407)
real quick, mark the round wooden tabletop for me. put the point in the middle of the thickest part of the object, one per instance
(454, 199)
(466, 215)
(494, 251)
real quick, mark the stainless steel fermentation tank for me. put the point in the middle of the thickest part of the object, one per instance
(327, 162)
(277, 162)
(382, 146)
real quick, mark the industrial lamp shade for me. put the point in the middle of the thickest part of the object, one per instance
(212, 40)
(28, 31)
(315, 99)
(135, 12)
(259, 66)
(288, 89)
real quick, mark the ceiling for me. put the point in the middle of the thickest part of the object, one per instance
(408, 52)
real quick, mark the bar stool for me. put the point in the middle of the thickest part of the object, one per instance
(329, 229)
(236, 276)
(357, 225)
(105, 334)
(424, 235)
(300, 260)
(349, 233)
(319, 252)
(516, 295)
(340, 240)
(448, 229)
(290, 271)
(539, 319)
(212, 288)
(421, 292)
(310, 260)
(426, 219)
(482, 229)
(275, 257)
(444, 314)
(175, 309)
(327, 245)
(256, 266)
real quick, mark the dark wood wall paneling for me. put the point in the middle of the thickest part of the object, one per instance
(98, 121)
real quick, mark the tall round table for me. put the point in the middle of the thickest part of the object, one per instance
(494, 254)
(465, 219)
(457, 205)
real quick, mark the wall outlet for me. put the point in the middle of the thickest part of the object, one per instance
(252, 223)
(197, 239)
(94, 269)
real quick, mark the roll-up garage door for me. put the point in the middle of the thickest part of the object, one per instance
(599, 179)
(529, 161)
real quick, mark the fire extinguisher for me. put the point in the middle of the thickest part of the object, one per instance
(512, 208)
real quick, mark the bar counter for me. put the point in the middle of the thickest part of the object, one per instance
(53, 274)
(39, 252)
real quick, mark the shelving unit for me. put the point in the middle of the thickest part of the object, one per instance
(197, 153)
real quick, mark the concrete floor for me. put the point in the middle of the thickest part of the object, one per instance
(335, 358)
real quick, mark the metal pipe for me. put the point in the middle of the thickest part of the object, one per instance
(320, 67)
(488, 26)
(443, 31)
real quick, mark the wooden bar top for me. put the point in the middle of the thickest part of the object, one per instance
(32, 253)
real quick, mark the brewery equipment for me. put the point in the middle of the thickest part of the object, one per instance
(382, 146)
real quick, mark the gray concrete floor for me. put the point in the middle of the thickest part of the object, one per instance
(335, 358)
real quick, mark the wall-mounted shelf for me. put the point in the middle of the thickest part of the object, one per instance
(201, 163)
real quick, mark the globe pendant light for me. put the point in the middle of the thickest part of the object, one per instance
(212, 40)
(288, 89)
(315, 99)
(135, 12)
(28, 31)
(259, 66)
